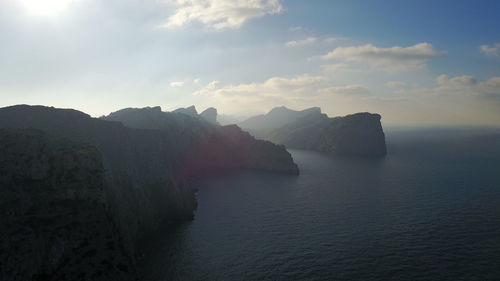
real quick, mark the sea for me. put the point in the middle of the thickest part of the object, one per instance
(429, 210)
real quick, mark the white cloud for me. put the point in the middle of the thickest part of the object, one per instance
(258, 97)
(303, 42)
(296, 28)
(196, 81)
(177, 84)
(212, 85)
(455, 82)
(467, 86)
(394, 59)
(297, 82)
(271, 87)
(459, 87)
(395, 84)
(208, 88)
(334, 39)
(453, 100)
(338, 67)
(491, 51)
(349, 90)
(221, 14)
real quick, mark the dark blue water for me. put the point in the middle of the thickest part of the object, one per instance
(429, 211)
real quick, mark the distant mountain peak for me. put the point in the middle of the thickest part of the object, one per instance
(284, 108)
(191, 111)
(279, 116)
(209, 114)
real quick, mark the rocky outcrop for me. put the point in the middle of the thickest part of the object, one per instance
(358, 134)
(210, 115)
(191, 111)
(56, 222)
(210, 147)
(262, 125)
(144, 176)
(143, 182)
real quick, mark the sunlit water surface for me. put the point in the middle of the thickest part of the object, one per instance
(428, 211)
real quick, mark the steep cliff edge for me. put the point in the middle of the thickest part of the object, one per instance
(143, 182)
(146, 170)
(56, 222)
(359, 134)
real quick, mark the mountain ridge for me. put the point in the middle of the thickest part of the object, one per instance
(359, 134)
(147, 169)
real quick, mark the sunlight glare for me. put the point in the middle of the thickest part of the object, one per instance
(45, 7)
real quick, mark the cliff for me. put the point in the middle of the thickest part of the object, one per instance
(145, 170)
(359, 134)
(209, 147)
(56, 223)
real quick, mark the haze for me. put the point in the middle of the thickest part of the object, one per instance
(414, 62)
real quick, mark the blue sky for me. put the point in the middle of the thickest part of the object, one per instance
(415, 62)
(455, 26)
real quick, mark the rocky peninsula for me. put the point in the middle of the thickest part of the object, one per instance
(359, 134)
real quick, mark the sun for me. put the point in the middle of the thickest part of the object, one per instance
(45, 7)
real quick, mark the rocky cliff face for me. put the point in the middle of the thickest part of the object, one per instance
(56, 222)
(210, 147)
(143, 182)
(144, 174)
(358, 134)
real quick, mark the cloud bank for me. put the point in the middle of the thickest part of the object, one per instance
(221, 14)
(491, 50)
(303, 42)
(393, 59)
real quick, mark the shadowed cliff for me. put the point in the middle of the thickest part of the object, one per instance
(209, 147)
(56, 221)
(145, 171)
(359, 134)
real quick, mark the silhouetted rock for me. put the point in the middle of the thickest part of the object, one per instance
(191, 111)
(211, 147)
(210, 114)
(262, 125)
(55, 217)
(358, 134)
(144, 176)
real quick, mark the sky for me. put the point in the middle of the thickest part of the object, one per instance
(415, 62)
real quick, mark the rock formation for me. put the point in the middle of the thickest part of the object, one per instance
(143, 177)
(211, 147)
(56, 223)
(262, 125)
(191, 111)
(210, 114)
(359, 134)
